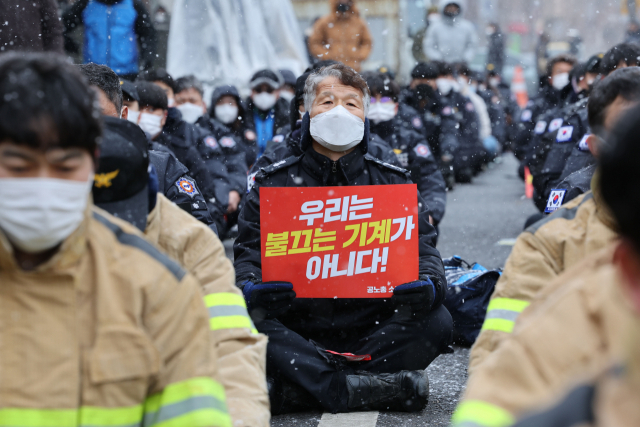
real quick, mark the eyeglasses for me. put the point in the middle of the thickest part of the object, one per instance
(382, 100)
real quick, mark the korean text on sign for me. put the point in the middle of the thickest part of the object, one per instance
(344, 242)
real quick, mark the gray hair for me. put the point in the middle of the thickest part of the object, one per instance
(345, 74)
(189, 82)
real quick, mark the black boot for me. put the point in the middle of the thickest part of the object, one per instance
(286, 397)
(405, 391)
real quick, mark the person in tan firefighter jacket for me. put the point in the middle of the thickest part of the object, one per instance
(610, 397)
(98, 327)
(127, 188)
(554, 244)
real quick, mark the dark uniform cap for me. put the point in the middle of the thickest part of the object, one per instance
(224, 90)
(121, 182)
(425, 70)
(593, 64)
(288, 76)
(269, 77)
(129, 89)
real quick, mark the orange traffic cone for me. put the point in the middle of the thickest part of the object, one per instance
(519, 87)
(528, 183)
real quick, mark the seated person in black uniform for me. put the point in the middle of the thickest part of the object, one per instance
(403, 334)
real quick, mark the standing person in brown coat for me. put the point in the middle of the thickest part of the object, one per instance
(341, 35)
(31, 26)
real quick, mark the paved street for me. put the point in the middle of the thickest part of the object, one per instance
(481, 222)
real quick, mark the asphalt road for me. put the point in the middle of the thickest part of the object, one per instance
(482, 221)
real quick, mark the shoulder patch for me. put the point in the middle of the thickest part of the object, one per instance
(422, 150)
(210, 141)
(251, 180)
(143, 245)
(416, 122)
(386, 165)
(250, 135)
(526, 115)
(470, 106)
(187, 186)
(555, 124)
(447, 111)
(278, 138)
(555, 200)
(564, 134)
(540, 127)
(228, 142)
(582, 145)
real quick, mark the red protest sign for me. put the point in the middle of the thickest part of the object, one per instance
(344, 242)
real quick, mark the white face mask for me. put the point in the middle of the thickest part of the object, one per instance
(37, 214)
(286, 95)
(133, 116)
(382, 111)
(337, 129)
(445, 86)
(264, 101)
(190, 112)
(150, 123)
(559, 81)
(494, 82)
(171, 102)
(226, 113)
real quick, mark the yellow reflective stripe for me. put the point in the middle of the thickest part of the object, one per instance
(224, 298)
(195, 402)
(228, 311)
(498, 325)
(507, 304)
(84, 416)
(481, 414)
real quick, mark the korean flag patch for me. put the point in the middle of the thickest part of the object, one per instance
(416, 122)
(227, 142)
(555, 125)
(211, 142)
(251, 179)
(278, 138)
(582, 145)
(564, 134)
(540, 127)
(422, 150)
(526, 115)
(555, 200)
(187, 186)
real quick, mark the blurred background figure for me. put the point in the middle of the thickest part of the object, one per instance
(342, 35)
(30, 26)
(452, 38)
(495, 54)
(117, 33)
(417, 50)
(633, 33)
(542, 56)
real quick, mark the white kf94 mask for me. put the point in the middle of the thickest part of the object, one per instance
(37, 214)
(337, 129)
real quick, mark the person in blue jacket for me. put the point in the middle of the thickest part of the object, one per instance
(117, 33)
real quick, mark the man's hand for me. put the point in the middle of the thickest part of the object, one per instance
(417, 296)
(234, 200)
(268, 300)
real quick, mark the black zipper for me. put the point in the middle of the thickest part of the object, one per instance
(334, 167)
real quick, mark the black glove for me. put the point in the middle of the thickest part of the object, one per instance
(418, 296)
(268, 300)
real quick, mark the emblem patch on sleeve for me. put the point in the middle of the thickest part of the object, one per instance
(187, 186)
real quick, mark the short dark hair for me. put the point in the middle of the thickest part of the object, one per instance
(445, 69)
(380, 84)
(158, 75)
(151, 95)
(105, 79)
(620, 175)
(189, 82)
(624, 82)
(46, 102)
(626, 52)
(567, 59)
(425, 70)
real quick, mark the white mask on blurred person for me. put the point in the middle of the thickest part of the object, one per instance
(559, 81)
(171, 102)
(190, 112)
(133, 116)
(226, 113)
(264, 100)
(445, 86)
(286, 95)
(494, 82)
(150, 123)
(37, 214)
(382, 112)
(337, 129)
